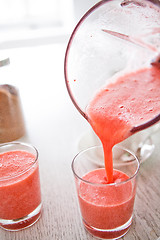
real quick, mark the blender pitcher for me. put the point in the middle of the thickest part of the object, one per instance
(112, 38)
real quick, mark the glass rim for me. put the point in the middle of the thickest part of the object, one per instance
(108, 184)
(28, 168)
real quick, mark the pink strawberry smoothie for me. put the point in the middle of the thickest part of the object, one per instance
(19, 184)
(106, 206)
(131, 100)
(116, 108)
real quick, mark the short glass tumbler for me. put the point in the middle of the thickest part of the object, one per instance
(106, 209)
(20, 193)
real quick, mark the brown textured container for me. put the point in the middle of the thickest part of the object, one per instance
(12, 124)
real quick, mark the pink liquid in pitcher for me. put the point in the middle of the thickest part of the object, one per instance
(132, 100)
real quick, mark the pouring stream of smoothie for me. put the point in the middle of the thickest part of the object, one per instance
(116, 108)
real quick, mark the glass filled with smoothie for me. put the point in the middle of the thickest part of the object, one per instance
(106, 208)
(20, 193)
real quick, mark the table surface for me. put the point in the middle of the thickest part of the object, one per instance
(55, 127)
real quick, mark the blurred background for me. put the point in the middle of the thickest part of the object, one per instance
(32, 22)
(34, 36)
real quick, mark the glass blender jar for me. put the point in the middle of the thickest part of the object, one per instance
(113, 37)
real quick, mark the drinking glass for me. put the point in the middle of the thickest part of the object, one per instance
(106, 209)
(20, 193)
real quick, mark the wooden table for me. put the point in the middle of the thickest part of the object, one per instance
(54, 126)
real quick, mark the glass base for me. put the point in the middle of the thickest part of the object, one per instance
(21, 223)
(115, 233)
